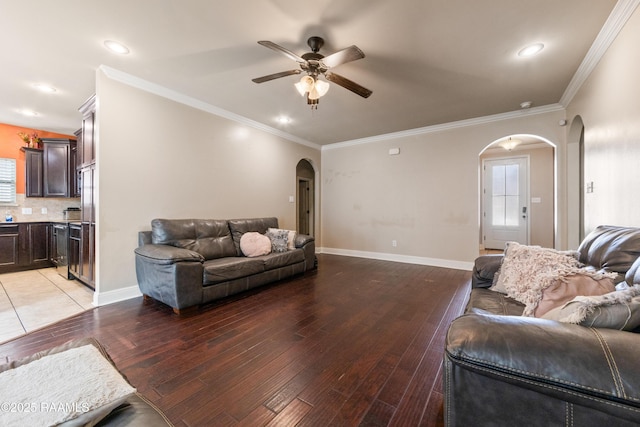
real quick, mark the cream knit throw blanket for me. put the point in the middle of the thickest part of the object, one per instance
(526, 271)
(60, 387)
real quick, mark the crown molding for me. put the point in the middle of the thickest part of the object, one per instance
(164, 92)
(619, 16)
(447, 126)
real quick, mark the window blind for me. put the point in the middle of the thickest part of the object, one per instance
(7, 181)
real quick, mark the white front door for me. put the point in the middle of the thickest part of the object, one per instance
(506, 211)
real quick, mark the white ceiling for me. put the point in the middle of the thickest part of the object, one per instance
(427, 62)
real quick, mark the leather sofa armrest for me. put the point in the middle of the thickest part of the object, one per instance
(303, 239)
(165, 254)
(484, 269)
(308, 245)
(549, 357)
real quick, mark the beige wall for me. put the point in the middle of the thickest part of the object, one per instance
(160, 158)
(426, 198)
(541, 177)
(609, 106)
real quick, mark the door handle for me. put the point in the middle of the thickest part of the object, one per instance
(524, 212)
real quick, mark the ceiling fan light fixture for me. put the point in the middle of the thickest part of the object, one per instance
(322, 87)
(306, 84)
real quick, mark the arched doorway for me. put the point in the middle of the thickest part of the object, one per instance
(305, 206)
(517, 192)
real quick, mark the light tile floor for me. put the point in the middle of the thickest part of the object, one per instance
(30, 300)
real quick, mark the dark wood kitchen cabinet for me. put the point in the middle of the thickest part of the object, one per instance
(38, 247)
(51, 171)
(86, 163)
(59, 164)
(9, 246)
(57, 176)
(34, 168)
(25, 246)
(88, 226)
(86, 146)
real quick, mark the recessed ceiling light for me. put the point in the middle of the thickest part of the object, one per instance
(283, 120)
(44, 88)
(526, 104)
(116, 47)
(30, 113)
(531, 49)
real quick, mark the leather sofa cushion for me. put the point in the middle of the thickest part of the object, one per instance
(209, 237)
(612, 248)
(280, 259)
(230, 268)
(240, 226)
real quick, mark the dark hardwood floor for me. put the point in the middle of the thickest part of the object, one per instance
(359, 342)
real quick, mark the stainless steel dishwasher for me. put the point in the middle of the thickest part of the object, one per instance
(61, 255)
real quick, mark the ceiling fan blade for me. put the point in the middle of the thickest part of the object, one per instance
(286, 52)
(348, 84)
(275, 76)
(348, 54)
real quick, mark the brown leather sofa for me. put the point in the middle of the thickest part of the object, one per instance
(501, 369)
(187, 262)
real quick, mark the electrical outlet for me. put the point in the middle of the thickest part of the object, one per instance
(27, 211)
(43, 211)
(394, 243)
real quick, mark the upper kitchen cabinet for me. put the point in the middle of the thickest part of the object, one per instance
(86, 147)
(34, 170)
(50, 172)
(57, 167)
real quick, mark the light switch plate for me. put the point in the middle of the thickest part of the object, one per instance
(27, 211)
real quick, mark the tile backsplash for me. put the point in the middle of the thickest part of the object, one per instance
(53, 206)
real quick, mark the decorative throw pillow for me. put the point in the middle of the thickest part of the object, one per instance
(565, 289)
(615, 310)
(279, 239)
(291, 236)
(254, 244)
(526, 271)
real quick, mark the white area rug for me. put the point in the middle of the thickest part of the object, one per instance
(61, 387)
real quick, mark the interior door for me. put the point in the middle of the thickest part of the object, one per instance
(506, 211)
(304, 210)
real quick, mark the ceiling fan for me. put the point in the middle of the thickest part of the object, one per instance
(315, 64)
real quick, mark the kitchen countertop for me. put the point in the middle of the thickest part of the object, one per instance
(52, 221)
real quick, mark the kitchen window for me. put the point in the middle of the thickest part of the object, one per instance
(7, 181)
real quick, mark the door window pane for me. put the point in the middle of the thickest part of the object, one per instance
(506, 195)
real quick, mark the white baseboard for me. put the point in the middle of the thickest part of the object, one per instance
(109, 297)
(434, 262)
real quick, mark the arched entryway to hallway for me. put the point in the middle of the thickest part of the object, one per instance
(305, 200)
(517, 192)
